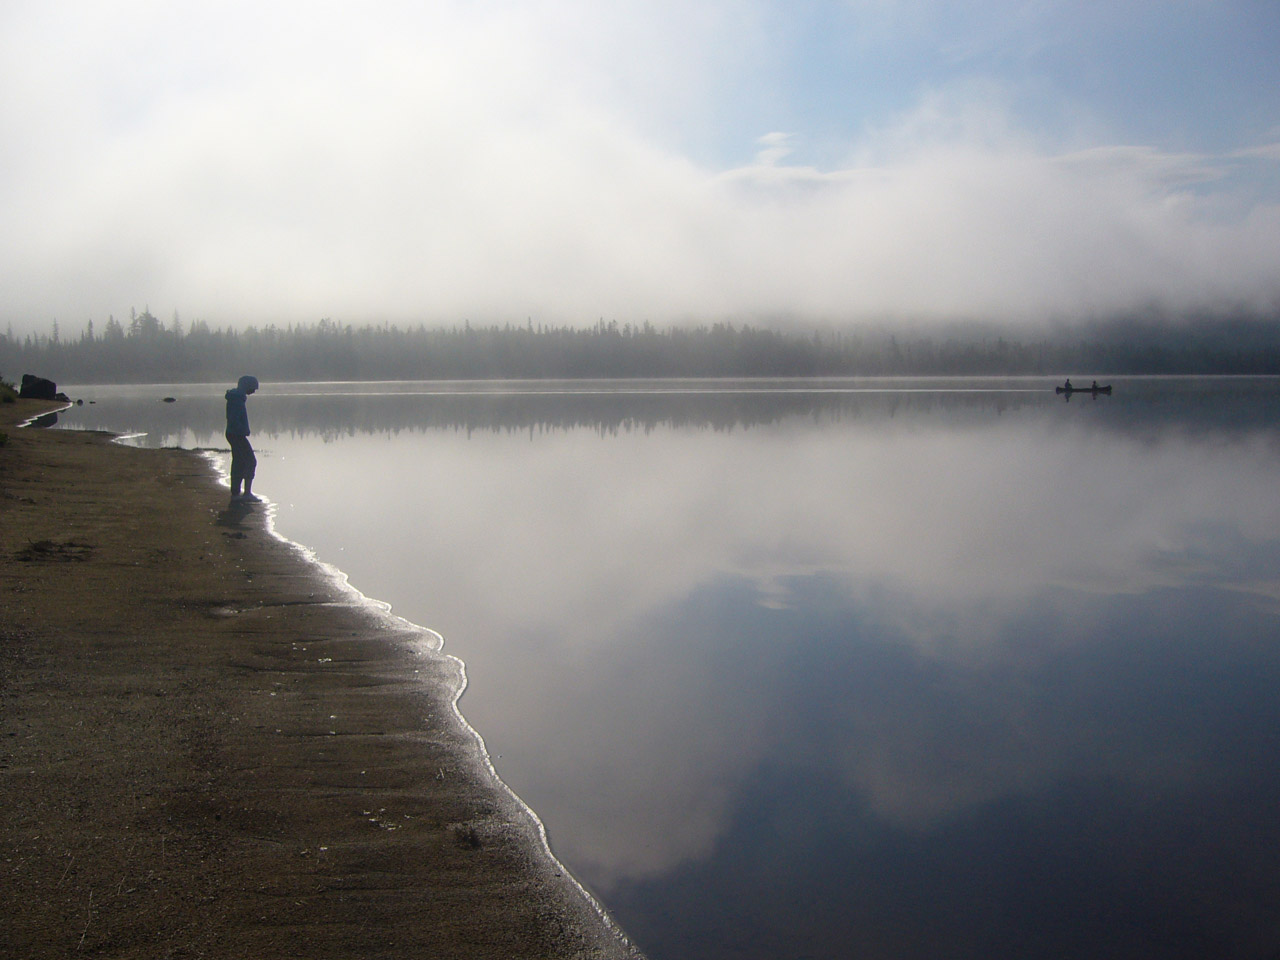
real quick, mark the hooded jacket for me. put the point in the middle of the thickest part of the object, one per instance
(237, 415)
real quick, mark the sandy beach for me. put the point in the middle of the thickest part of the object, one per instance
(208, 748)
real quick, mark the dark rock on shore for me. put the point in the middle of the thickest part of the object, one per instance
(37, 388)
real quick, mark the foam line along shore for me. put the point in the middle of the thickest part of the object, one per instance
(210, 746)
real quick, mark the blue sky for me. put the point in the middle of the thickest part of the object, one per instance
(1180, 76)
(841, 162)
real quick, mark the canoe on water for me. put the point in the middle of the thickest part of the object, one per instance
(1106, 389)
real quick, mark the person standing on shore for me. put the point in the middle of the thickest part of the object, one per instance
(243, 463)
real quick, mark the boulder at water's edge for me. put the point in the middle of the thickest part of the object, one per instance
(37, 388)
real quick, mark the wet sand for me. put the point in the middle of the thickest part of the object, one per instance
(209, 749)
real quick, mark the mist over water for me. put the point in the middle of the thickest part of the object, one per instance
(875, 668)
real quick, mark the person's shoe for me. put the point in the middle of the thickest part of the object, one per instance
(249, 498)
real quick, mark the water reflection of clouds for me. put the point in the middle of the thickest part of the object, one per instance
(1218, 552)
(669, 611)
(678, 635)
(562, 525)
(925, 740)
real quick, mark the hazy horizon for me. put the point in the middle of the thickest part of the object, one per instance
(1030, 161)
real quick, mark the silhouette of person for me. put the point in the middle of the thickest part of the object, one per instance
(1068, 383)
(243, 462)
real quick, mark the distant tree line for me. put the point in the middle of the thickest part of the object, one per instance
(1239, 408)
(147, 350)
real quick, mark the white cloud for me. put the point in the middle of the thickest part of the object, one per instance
(774, 148)
(496, 162)
(1269, 151)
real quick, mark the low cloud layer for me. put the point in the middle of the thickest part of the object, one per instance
(494, 164)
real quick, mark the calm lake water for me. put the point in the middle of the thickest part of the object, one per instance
(885, 669)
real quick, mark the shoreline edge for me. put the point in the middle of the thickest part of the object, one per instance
(211, 744)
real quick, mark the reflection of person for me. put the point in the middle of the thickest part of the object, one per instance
(243, 463)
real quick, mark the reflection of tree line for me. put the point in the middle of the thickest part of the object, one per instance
(1234, 406)
(609, 414)
(148, 351)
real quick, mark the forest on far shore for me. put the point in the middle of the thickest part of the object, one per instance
(147, 350)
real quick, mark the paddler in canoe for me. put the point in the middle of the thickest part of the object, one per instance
(1093, 388)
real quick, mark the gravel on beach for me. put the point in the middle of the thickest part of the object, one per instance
(209, 748)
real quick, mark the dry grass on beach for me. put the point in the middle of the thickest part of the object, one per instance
(207, 750)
